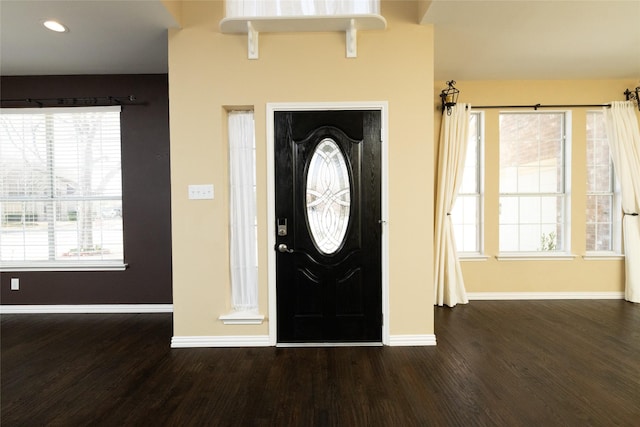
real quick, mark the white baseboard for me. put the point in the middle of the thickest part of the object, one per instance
(412, 340)
(478, 296)
(263, 341)
(86, 308)
(220, 341)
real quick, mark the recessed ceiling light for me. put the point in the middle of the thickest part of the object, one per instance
(55, 26)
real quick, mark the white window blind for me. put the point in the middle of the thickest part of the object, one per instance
(60, 187)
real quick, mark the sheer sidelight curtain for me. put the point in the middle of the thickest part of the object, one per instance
(624, 141)
(272, 8)
(449, 284)
(243, 242)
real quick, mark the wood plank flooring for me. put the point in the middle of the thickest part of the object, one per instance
(497, 363)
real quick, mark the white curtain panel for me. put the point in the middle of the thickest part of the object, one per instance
(624, 141)
(449, 284)
(272, 8)
(243, 244)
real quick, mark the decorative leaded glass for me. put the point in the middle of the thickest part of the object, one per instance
(328, 196)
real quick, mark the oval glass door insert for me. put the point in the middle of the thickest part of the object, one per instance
(328, 197)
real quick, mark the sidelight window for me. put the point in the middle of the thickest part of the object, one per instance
(243, 214)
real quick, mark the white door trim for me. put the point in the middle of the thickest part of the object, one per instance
(383, 107)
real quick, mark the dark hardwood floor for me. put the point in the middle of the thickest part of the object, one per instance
(503, 363)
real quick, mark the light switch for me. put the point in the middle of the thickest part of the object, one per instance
(201, 192)
(15, 284)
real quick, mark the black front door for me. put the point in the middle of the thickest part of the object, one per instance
(328, 212)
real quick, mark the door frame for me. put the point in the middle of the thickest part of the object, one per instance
(383, 107)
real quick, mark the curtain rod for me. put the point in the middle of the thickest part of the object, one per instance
(536, 106)
(96, 101)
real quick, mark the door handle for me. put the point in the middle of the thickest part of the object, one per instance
(282, 247)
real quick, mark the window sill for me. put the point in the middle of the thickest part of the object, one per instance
(535, 256)
(44, 266)
(472, 257)
(242, 318)
(603, 256)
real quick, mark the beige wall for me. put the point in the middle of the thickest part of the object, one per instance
(577, 275)
(174, 7)
(209, 71)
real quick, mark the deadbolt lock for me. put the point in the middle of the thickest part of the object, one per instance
(282, 227)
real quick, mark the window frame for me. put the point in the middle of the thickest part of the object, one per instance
(242, 232)
(53, 198)
(616, 204)
(477, 254)
(565, 195)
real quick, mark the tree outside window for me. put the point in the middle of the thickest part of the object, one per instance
(60, 185)
(533, 193)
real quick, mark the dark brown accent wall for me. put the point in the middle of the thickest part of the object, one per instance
(146, 196)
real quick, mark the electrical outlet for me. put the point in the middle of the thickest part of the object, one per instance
(201, 192)
(15, 284)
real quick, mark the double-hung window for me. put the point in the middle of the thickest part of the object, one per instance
(603, 228)
(466, 215)
(533, 186)
(60, 188)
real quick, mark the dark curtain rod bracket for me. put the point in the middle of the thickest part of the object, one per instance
(97, 101)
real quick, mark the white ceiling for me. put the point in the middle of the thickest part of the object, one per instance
(474, 39)
(105, 37)
(535, 39)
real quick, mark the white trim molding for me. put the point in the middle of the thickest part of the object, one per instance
(412, 340)
(472, 257)
(383, 107)
(603, 256)
(242, 318)
(535, 256)
(265, 341)
(488, 296)
(220, 341)
(85, 308)
(62, 266)
(327, 344)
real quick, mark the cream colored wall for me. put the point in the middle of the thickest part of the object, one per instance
(174, 7)
(423, 7)
(209, 71)
(577, 275)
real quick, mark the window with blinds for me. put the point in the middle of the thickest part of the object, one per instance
(60, 187)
